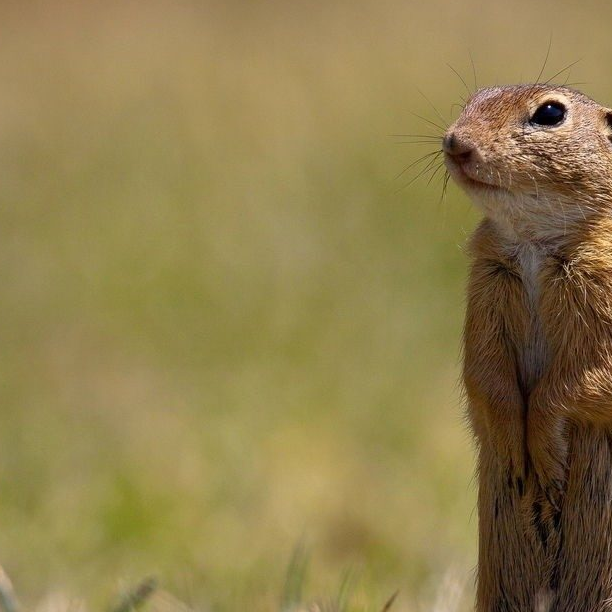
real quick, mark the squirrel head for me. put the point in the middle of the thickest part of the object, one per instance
(537, 159)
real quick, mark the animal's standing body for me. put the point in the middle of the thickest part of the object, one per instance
(537, 159)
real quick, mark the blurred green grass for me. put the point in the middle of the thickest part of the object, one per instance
(225, 327)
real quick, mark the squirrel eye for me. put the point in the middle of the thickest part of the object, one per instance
(550, 113)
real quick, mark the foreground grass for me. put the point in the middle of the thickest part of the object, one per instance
(147, 594)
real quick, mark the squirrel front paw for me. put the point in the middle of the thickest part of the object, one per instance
(508, 441)
(547, 447)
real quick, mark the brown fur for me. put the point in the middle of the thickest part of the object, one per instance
(538, 346)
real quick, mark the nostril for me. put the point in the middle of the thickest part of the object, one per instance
(457, 148)
(448, 143)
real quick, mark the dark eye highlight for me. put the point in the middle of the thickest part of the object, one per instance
(550, 113)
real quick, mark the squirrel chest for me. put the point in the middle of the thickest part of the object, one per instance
(532, 352)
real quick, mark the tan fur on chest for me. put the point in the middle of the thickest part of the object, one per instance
(532, 349)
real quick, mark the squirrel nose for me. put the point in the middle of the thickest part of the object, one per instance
(459, 149)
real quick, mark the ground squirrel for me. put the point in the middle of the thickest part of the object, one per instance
(537, 160)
